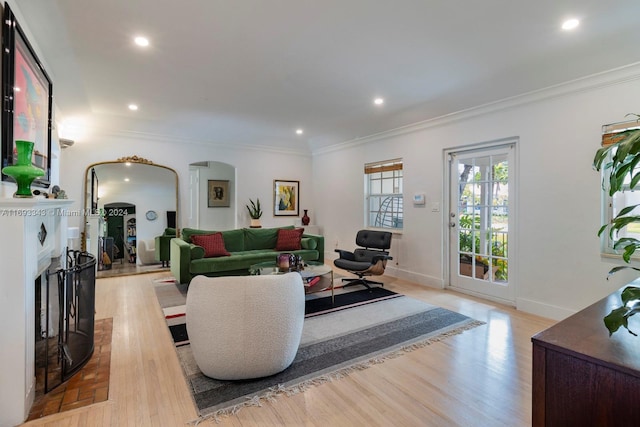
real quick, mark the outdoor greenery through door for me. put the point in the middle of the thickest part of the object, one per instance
(480, 218)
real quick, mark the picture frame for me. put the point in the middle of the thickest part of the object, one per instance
(286, 200)
(218, 193)
(94, 191)
(27, 94)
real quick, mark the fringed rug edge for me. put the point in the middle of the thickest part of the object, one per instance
(280, 390)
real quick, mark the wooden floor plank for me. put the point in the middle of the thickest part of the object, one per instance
(480, 377)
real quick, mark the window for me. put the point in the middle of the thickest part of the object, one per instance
(383, 192)
(613, 205)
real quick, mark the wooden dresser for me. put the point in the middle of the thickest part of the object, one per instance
(583, 377)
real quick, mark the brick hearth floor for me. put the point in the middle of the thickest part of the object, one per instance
(90, 385)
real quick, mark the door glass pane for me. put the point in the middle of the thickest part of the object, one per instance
(499, 218)
(483, 212)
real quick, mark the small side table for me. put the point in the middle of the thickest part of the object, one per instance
(312, 229)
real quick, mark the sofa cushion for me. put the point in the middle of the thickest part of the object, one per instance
(169, 231)
(196, 251)
(308, 243)
(213, 244)
(289, 240)
(233, 240)
(187, 233)
(239, 262)
(261, 238)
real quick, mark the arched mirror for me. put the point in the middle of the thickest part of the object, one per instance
(128, 202)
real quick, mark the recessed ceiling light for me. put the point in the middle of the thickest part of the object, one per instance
(570, 24)
(378, 101)
(126, 180)
(299, 131)
(133, 107)
(141, 41)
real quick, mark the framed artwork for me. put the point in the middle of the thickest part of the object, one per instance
(286, 198)
(27, 91)
(218, 193)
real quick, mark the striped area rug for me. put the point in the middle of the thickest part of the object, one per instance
(316, 305)
(334, 343)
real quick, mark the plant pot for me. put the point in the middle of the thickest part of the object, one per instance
(24, 172)
(466, 268)
(255, 223)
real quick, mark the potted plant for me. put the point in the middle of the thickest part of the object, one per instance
(619, 162)
(255, 213)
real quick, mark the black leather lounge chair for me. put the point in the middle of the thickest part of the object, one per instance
(369, 259)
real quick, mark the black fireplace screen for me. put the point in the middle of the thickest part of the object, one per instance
(70, 302)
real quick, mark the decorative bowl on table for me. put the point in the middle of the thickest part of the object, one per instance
(289, 262)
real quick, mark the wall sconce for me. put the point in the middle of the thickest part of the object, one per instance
(66, 143)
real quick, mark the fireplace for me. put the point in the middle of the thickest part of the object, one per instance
(65, 307)
(33, 232)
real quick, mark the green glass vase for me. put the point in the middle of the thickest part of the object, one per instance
(23, 172)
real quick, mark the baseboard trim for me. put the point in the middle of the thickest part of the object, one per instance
(542, 309)
(486, 297)
(422, 279)
(523, 304)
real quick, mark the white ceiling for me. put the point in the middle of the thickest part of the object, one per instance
(249, 72)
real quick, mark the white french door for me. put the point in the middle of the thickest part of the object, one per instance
(481, 220)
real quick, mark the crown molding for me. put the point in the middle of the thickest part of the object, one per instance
(148, 136)
(616, 76)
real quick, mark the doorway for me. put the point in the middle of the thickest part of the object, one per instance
(121, 226)
(482, 220)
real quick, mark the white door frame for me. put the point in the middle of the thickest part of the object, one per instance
(513, 212)
(193, 219)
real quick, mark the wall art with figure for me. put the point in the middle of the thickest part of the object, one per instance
(286, 198)
(218, 193)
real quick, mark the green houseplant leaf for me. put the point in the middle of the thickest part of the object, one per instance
(630, 294)
(624, 158)
(255, 212)
(618, 317)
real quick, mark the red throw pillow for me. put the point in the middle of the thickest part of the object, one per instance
(289, 240)
(213, 244)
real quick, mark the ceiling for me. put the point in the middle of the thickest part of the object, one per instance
(250, 72)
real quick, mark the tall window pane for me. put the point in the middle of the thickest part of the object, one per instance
(383, 191)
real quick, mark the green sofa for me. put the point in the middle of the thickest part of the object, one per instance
(247, 246)
(163, 246)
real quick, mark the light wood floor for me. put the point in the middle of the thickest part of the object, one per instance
(124, 268)
(479, 378)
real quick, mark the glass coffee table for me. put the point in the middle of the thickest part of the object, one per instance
(316, 276)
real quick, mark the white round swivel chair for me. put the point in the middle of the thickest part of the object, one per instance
(243, 327)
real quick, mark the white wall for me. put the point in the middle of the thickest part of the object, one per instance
(255, 170)
(560, 269)
(217, 218)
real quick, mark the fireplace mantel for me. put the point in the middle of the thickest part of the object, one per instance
(32, 231)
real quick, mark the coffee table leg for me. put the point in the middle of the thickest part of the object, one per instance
(332, 297)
